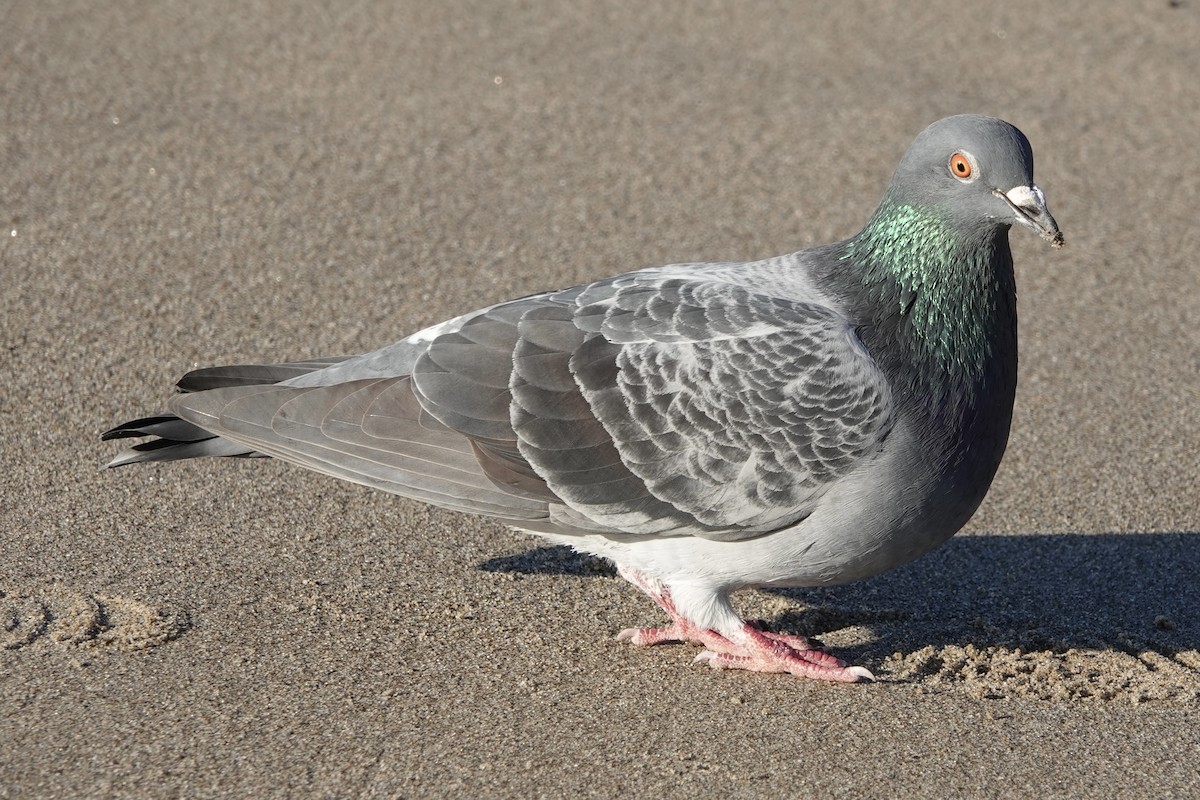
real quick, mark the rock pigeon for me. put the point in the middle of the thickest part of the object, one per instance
(805, 420)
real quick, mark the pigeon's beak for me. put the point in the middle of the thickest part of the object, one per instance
(1029, 205)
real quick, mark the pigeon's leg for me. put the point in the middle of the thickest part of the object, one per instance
(745, 645)
(681, 628)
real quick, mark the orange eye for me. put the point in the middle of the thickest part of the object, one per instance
(960, 166)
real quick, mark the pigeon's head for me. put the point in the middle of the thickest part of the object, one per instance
(978, 171)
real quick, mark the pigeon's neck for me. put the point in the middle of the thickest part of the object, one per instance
(945, 296)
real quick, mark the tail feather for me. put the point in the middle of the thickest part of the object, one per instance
(170, 450)
(200, 380)
(168, 426)
(178, 439)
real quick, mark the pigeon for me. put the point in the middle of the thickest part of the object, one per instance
(805, 420)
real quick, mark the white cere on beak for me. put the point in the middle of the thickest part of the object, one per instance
(1026, 197)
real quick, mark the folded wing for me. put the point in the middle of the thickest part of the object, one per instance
(643, 405)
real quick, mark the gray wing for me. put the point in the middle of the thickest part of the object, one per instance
(640, 405)
(738, 408)
(652, 404)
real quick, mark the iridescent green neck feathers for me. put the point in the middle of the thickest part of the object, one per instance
(952, 289)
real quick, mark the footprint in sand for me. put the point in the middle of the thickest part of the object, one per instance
(1029, 661)
(1031, 664)
(57, 617)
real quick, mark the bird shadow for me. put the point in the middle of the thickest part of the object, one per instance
(551, 561)
(1130, 592)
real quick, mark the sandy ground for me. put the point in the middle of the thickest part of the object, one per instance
(188, 184)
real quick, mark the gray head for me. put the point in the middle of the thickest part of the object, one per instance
(976, 171)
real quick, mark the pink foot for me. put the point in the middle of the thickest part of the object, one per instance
(680, 631)
(761, 651)
(754, 648)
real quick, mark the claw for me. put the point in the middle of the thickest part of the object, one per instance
(862, 672)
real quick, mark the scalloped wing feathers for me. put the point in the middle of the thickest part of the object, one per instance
(642, 405)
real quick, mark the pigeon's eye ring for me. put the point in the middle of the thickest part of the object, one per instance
(961, 167)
